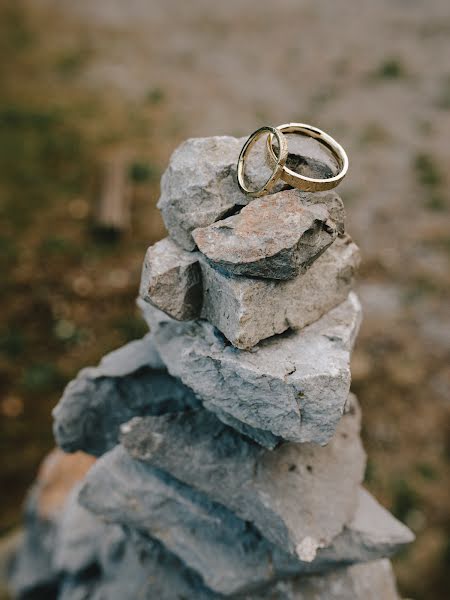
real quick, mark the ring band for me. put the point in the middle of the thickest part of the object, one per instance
(310, 184)
(278, 162)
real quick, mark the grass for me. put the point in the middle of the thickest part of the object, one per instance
(430, 178)
(443, 98)
(390, 69)
(427, 171)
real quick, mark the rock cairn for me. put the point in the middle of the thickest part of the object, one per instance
(229, 453)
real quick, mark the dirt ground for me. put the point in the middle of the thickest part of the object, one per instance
(83, 79)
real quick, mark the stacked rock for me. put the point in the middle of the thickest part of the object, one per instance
(230, 453)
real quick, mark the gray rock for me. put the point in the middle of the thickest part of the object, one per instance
(31, 571)
(247, 310)
(260, 486)
(274, 237)
(10, 545)
(228, 553)
(79, 538)
(200, 187)
(132, 566)
(264, 438)
(128, 382)
(135, 567)
(372, 533)
(369, 581)
(294, 385)
(171, 280)
(89, 559)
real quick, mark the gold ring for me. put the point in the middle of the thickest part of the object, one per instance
(278, 162)
(310, 184)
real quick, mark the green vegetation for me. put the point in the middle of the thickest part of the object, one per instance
(443, 99)
(429, 176)
(156, 96)
(141, 171)
(390, 68)
(405, 499)
(427, 171)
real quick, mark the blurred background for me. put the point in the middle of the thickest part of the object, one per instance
(104, 91)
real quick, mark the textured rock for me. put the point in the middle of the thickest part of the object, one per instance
(274, 237)
(89, 558)
(79, 537)
(262, 437)
(372, 533)
(33, 569)
(260, 486)
(228, 553)
(132, 565)
(135, 567)
(294, 385)
(247, 310)
(118, 564)
(171, 280)
(200, 187)
(128, 382)
(370, 581)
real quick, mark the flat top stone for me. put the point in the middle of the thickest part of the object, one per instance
(129, 381)
(128, 359)
(166, 255)
(260, 486)
(294, 385)
(271, 237)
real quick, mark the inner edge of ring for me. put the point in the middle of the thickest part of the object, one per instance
(279, 160)
(335, 148)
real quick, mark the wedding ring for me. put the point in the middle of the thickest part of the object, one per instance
(278, 162)
(301, 182)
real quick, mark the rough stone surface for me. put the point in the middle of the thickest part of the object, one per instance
(262, 437)
(275, 237)
(128, 382)
(33, 569)
(370, 581)
(78, 541)
(228, 553)
(247, 310)
(89, 558)
(372, 533)
(260, 486)
(200, 187)
(294, 385)
(135, 567)
(171, 280)
(69, 554)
